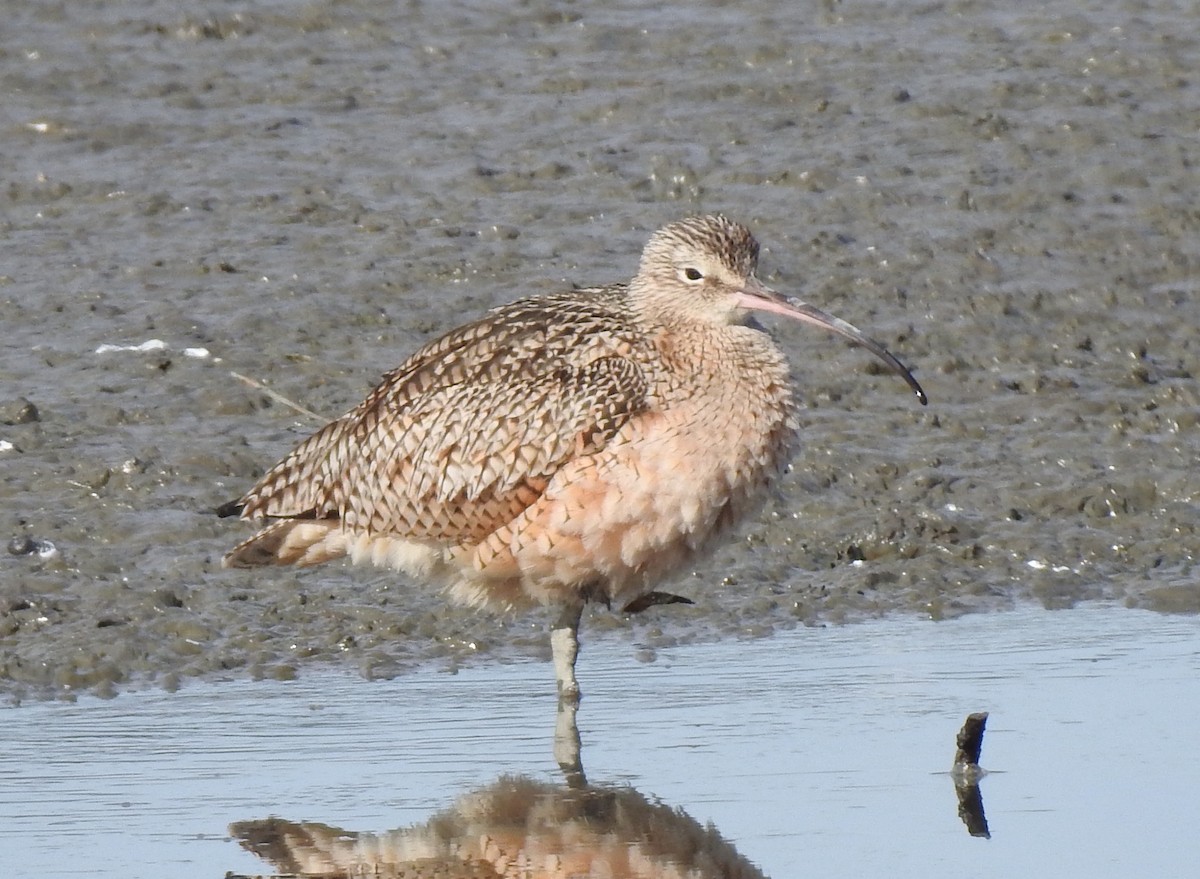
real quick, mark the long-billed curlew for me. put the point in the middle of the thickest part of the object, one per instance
(562, 449)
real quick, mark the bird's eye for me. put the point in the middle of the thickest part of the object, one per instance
(693, 274)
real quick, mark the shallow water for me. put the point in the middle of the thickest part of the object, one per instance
(821, 751)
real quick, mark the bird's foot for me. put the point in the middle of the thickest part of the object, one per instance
(568, 692)
(653, 599)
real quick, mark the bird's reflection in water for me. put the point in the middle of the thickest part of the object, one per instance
(515, 827)
(567, 745)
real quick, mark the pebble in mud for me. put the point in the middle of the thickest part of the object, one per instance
(22, 546)
(1002, 193)
(19, 411)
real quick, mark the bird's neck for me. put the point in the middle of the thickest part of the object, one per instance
(719, 356)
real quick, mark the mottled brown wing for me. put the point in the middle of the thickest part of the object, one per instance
(467, 432)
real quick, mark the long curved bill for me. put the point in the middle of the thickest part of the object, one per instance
(759, 297)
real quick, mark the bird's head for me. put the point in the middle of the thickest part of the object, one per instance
(702, 269)
(696, 267)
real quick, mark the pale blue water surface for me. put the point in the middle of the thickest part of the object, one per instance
(816, 752)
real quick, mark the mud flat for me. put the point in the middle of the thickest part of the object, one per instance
(1003, 196)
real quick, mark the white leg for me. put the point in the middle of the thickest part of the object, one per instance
(564, 645)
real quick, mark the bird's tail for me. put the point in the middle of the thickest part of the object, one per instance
(290, 542)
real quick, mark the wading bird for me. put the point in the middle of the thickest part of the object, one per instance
(561, 449)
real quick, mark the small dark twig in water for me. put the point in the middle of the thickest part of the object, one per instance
(970, 743)
(967, 772)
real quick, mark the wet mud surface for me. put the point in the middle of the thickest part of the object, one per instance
(305, 193)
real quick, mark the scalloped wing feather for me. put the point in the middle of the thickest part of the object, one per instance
(468, 431)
